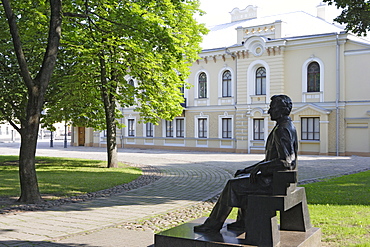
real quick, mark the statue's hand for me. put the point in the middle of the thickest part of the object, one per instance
(238, 172)
(253, 177)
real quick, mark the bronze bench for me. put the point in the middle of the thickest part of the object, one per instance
(260, 218)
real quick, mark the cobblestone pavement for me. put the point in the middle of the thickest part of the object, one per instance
(188, 178)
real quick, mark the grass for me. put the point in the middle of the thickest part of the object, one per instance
(341, 208)
(61, 177)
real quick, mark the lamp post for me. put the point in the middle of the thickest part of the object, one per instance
(51, 139)
(65, 134)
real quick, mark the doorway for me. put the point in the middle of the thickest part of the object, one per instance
(81, 136)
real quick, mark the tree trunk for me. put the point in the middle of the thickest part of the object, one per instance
(29, 133)
(110, 116)
(36, 92)
(111, 137)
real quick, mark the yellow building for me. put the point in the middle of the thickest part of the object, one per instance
(324, 69)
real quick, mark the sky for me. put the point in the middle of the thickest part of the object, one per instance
(218, 10)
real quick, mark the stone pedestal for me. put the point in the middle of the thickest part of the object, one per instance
(184, 236)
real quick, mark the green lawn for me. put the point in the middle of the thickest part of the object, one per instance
(341, 208)
(61, 177)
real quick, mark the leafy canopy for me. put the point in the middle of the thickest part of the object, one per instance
(355, 13)
(32, 18)
(151, 42)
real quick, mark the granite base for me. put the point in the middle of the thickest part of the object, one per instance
(185, 236)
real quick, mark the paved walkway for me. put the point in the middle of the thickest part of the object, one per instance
(188, 177)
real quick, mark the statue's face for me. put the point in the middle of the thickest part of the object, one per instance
(275, 110)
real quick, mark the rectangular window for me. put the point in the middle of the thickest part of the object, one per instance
(180, 127)
(169, 129)
(149, 130)
(310, 128)
(131, 127)
(202, 127)
(258, 129)
(226, 128)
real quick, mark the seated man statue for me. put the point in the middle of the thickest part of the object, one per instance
(280, 155)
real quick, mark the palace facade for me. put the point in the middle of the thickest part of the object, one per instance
(324, 70)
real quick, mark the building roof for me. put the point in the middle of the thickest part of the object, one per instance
(293, 24)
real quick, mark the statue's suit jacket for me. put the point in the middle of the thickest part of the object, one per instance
(281, 154)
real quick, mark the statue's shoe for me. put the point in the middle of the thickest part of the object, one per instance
(206, 228)
(236, 226)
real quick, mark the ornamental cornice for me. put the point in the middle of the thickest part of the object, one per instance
(216, 57)
(255, 45)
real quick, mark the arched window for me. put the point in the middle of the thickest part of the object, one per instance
(313, 77)
(226, 84)
(202, 85)
(131, 82)
(261, 81)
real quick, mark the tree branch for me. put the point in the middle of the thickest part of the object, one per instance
(115, 23)
(17, 44)
(74, 15)
(10, 121)
(50, 56)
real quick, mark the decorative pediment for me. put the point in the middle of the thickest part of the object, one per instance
(256, 112)
(311, 109)
(250, 12)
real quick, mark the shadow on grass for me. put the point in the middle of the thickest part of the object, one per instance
(62, 176)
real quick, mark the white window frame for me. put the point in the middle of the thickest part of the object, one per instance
(196, 130)
(304, 78)
(174, 128)
(257, 82)
(165, 128)
(145, 133)
(313, 130)
(263, 130)
(251, 80)
(221, 83)
(196, 84)
(127, 126)
(131, 120)
(206, 86)
(220, 126)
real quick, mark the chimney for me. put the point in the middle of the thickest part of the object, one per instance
(321, 9)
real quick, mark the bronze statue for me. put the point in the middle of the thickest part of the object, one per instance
(280, 155)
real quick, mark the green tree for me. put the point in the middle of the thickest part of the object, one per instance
(30, 33)
(355, 13)
(154, 42)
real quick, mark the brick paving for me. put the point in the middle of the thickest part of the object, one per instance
(188, 178)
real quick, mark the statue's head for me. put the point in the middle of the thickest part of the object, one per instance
(281, 105)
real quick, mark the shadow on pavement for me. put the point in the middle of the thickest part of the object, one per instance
(40, 243)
